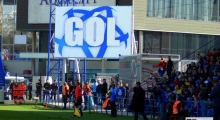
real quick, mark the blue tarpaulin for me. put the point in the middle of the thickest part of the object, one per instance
(2, 73)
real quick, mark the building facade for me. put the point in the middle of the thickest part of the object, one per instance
(10, 50)
(177, 26)
(161, 26)
(14, 19)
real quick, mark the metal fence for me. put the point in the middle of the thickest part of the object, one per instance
(93, 103)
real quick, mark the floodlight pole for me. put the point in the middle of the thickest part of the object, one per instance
(49, 44)
(84, 3)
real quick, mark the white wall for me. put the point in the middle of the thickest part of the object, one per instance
(19, 66)
(91, 65)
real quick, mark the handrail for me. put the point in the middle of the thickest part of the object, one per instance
(143, 83)
(197, 50)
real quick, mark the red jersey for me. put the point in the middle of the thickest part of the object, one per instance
(163, 64)
(78, 92)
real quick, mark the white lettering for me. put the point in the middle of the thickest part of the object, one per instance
(95, 30)
(111, 33)
(74, 37)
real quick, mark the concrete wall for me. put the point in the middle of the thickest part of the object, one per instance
(142, 22)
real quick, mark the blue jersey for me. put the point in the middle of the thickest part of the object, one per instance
(163, 98)
(94, 87)
(121, 92)
(113, 94)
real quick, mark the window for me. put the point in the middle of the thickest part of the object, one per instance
(201, 10)
(11, 51)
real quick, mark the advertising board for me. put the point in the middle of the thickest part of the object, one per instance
(93, 32)
(39, 10)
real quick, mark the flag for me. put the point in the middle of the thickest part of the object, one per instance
(76, 112)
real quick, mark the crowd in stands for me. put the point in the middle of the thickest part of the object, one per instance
(195, 84)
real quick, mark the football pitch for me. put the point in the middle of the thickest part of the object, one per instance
(30, 112)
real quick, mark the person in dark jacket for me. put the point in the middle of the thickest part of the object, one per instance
(38, 89)
(104, 89)
(204, 99)
(178, 108)
(99, 93)
(138, 101)
(54, 88)
(215, 96)
(30, 90)
(11, 88)
(169, 66)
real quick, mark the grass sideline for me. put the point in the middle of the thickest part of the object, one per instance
(30, 112)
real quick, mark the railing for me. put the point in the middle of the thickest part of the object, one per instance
(93, 103)
(183, 58)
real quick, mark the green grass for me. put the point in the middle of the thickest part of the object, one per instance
(29, 112)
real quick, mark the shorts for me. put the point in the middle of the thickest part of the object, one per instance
(15, 96)
(79, 101)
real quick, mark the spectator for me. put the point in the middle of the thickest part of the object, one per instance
(121, 96)
(214, 55)
(162, 67)
(99, 92)
(184, 99)
(162, 100)
(204, 99)
(217, 66)
(201, 73)
(173, 75)
(177, 90)
(30, 90)
(193, 65)
(191, 81)
(212, 68)
(177, 81)
(198, 58)
(65, 94)
(89, 97)
(54, 89)
(71, 86)
(209, 54)
(215, 76)
(195, 75)
(126, 94)
(205, 61)
(112, 100)
(38, 89)
(188, 104)
(179, 76)
(215, 96)
(104, 89)
(11, 88)
(178, 109)
(169, 66)
(94, 91)
(194, 107)
(138, 101)
(199, 66)
(85, 94)
(189, 73)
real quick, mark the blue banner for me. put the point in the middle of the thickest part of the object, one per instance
(2, 73)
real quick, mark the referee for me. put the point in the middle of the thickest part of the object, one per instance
(78, 100)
